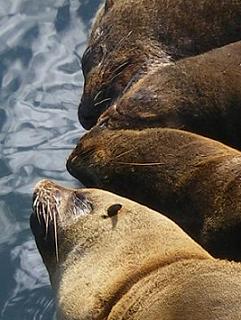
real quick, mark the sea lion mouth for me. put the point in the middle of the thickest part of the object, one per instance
(89, 112)
(120, 78)
(77, 168)
(55, 207)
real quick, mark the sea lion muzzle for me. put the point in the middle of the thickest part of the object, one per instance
(49, 214)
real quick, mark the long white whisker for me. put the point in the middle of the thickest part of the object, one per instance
(97, 95)
(56, 238)
(36, 200)
(104, 100)
(47, 225)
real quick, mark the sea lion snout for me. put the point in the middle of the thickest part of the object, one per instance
(55, 208)
(90, 109)
(45, 217)
(50, 201)
(85, 115)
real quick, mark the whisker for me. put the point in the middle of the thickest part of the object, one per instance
(56, 238)
(37, 213)
(50, 214)
(123, 153)
(85, 154)
(48, 207)
(43, 210)
(116, 75)
(36, 200)
(97, 95)
(102, 101)
(58, 213)
(121, 68)
(45, 217)
(140, 164)
(47, 225)
(116, 46)
(124, 64)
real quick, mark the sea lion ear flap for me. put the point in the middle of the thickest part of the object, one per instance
(108, 4)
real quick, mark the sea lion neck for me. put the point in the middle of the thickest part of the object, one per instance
(115, 259)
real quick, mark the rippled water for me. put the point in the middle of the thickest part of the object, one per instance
(41, 42)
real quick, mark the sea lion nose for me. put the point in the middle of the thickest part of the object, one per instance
(42, 184)
(45, 189)
(70, 164)
(87, 117)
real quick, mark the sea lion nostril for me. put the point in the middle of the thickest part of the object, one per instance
(114, 210)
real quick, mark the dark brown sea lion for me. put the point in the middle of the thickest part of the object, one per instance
(130, 36)
(135, 265)
(201, 94)
(196, 181)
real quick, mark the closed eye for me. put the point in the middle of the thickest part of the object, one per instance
(81, 206)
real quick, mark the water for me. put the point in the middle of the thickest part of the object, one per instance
(41, 42)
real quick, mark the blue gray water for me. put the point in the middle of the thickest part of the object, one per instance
(41, 42)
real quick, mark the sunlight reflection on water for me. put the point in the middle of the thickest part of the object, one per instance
(41, 81)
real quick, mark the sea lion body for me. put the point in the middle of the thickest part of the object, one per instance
(131, 36)
(194, 180)
(201, 94)
(135, 265)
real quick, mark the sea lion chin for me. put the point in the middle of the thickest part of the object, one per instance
(129, 37)
(120, 260)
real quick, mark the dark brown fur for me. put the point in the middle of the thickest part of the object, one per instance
(194, 180)
(200, 94)
(129, 36)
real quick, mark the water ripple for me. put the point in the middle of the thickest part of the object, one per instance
(40, 85)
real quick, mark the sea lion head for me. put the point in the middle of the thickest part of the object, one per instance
(96, 245)
(94, 164)
(60, 221)
(116, 56)
(104, 82)
(55, 210)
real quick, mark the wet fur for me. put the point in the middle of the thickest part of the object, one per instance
(144, 33)
(194, 180)
(200, 94)
(142, 267)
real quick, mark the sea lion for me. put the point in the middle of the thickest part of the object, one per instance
(134, 265)
(201, 94)
(194, 180)
(130, 36)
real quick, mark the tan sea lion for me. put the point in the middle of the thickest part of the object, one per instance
(194, 180)
(201, 94)
(120, 260)
(130, 36)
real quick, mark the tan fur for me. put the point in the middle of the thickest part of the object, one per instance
(135, 265)
(130, 36)
(194, 180)
(200, 94)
